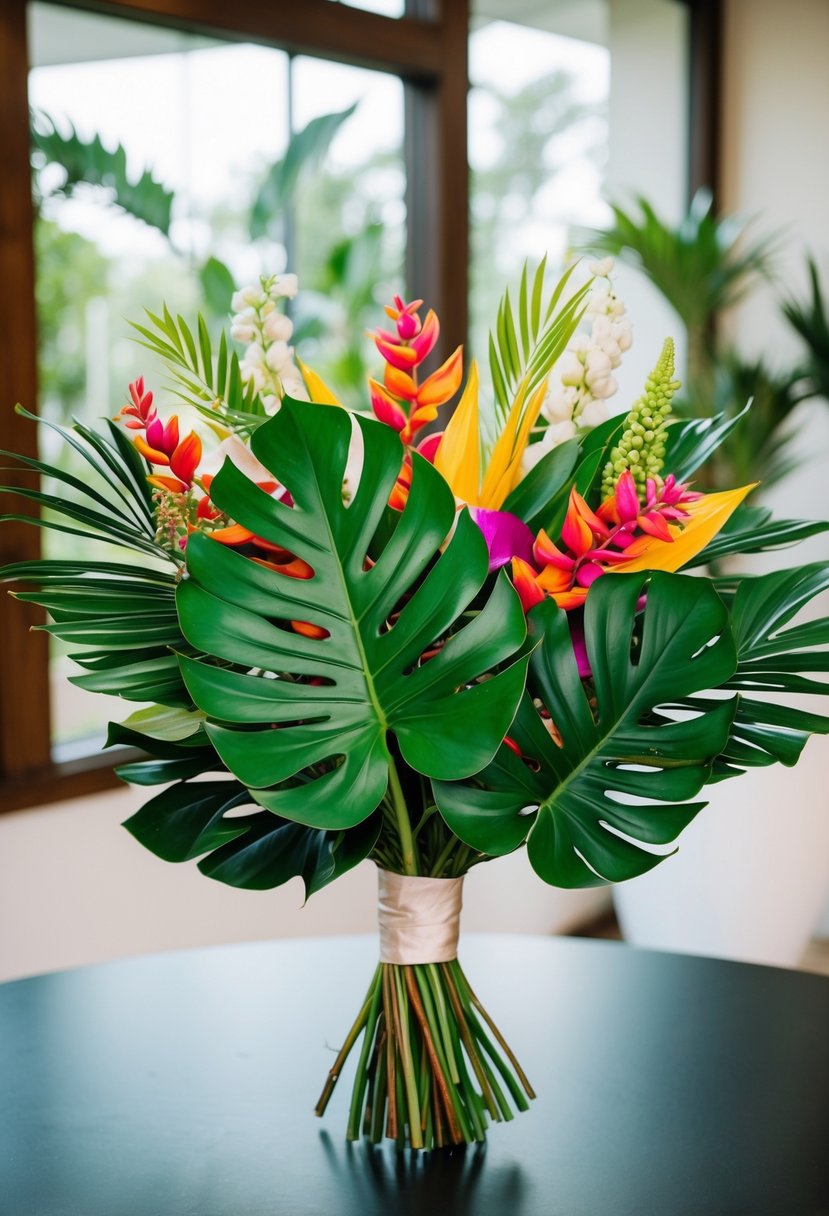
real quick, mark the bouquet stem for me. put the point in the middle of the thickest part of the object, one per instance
(433, 1068)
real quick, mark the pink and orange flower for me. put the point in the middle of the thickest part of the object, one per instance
(664, 532)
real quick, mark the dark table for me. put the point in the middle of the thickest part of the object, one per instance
(184, 1084)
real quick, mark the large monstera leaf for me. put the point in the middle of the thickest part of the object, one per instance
(774, 660)
(613, 775)
(312, 743)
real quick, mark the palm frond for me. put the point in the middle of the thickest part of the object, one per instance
(529, 338)
(772, 660)
(701, 266)
(208, 380)
(118, 617)
(811, 321)
(305, 151)
(761, 449)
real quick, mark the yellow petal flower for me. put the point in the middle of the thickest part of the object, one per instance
(504, 468)
(458, 458)
(318, 390)
(707, 516)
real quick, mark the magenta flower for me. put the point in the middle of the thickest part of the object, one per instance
(505, 534)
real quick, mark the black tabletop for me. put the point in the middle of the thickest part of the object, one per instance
(183, 1085)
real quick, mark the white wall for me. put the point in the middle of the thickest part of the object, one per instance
(648, 154)
(753, 869)
(774, 145)
(775, 165)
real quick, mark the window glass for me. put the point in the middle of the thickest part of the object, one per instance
(349, 244)
(537, 148)
(563, 121)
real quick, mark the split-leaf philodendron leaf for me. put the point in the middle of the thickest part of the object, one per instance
(318, 752)
(604, 782)
(774, 660)
(257, 850)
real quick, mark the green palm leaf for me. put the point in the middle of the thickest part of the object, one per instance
(118, 617)
(773, 660)
(257, 850)
(754, 530)
(523, 349)
(770, 658)
(543, 493)
(702, 266)
(208, 380)
(572, 802)
(305, 152)
(692, 441)
(327, 763)
(810, 319)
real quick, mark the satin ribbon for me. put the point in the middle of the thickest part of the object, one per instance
(419, 918)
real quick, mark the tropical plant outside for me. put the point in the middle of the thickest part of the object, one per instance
(703, 267)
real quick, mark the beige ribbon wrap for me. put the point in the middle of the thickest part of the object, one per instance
(419, 918)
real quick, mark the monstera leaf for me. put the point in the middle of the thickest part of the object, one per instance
(574, 789)
(257, 850)
(772, 660)
(313, 743)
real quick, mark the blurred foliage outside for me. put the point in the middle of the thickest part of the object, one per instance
(703, 267)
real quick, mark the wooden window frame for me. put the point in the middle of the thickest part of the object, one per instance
(427, 49)
(705, 68)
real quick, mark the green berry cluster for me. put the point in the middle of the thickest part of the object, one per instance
(641, 447)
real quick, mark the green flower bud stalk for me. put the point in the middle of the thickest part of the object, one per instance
(641, 448)
(172, 519)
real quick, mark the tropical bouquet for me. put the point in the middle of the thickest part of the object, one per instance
(363, 637)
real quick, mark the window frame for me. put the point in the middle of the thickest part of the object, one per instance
(428, 49)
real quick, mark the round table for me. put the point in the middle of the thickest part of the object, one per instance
(183, 1085)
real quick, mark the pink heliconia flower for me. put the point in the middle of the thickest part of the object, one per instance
(164, 438)
(424, 343)
(592, 542)
(627, 500)
(428, 447)
(386, 409)
(139, 410)
(548, 554)
(654, 524)
(403, 358)
(403, 400)
(587, 573)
